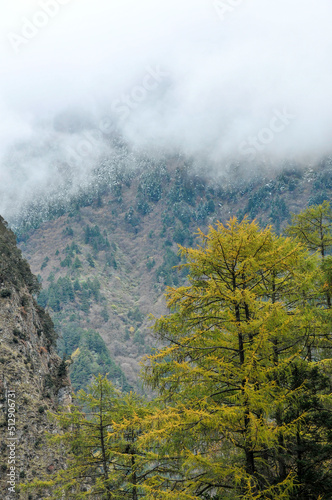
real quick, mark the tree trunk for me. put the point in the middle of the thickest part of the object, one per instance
(103, 446)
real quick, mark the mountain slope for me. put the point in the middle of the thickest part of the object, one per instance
(32, 377)
(105, 262)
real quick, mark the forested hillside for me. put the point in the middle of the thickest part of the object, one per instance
(105, 257)
(242, 406)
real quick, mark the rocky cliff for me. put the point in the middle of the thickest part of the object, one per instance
(33, 379)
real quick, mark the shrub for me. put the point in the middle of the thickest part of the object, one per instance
(66, 262)
(150, 263)
(77, 263)
(45, 262)
(68, 231)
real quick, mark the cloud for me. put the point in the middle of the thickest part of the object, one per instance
(206, 76)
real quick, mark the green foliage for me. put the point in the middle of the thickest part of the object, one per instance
(47, 325)
(313, 227)
(62, 370)
(258, 201)
(58, 295)
(64, 292)
(182, 234)
(318, 198)
(166, 272)
(44, 264)
(68, 231)
(242, 380)
(287, 348)
(279, 211)
(104, 314)
(184, 188)
(323, 180)
(184, 213)
(151, 184)
(51, 277)
(168, 219)
(136, 315)
(13, 268)
(90, 260)
(312, 448)
(66, 262)
(102, 452)
(205, 209)
(85, 304)
(139, 338)
(93, 357)
(77, 286)
(110, 260)
(229, 374)
(150, 263)
(289, 178)
(77, 263)
(131, 217)
(93, 288)
(94, 238)
(127, 334)
(72, 249)
(143, 207)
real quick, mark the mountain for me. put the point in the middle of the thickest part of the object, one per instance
(105, 258)
(33, 379)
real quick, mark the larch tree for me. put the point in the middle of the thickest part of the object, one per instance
(100, 437)
(312, 448)
(233, 339)
(313, 226)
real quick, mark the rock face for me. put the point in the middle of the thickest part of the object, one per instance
(33, 379)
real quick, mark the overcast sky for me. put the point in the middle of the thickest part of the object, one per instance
(230, 79)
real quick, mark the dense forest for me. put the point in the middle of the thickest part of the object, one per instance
(241, 382)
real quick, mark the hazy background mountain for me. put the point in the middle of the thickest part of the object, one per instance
(203, 77)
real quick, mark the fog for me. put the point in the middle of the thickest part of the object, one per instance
(233, 80)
